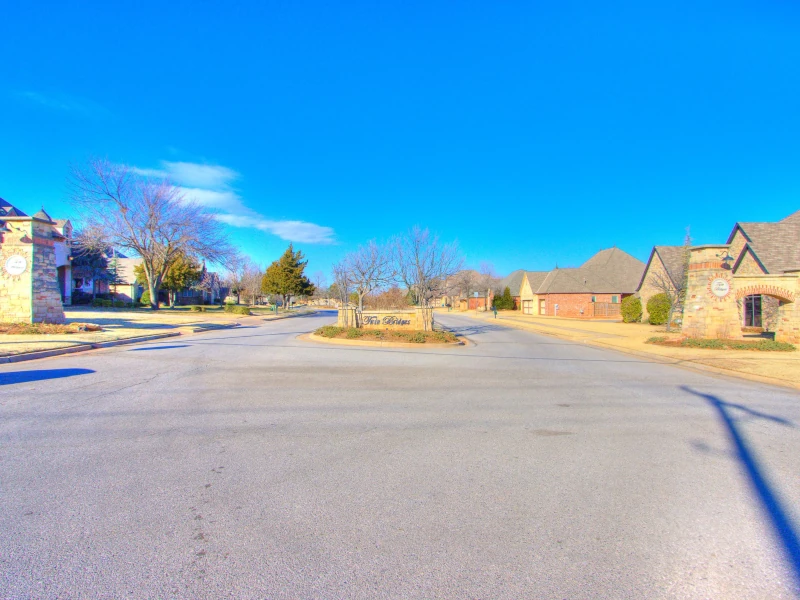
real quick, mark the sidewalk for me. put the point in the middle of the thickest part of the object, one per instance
(779, 368)
(120, 325)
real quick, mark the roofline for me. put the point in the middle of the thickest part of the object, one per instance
(752, 250)
(647, 266)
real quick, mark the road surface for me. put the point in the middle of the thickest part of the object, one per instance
(250, 464)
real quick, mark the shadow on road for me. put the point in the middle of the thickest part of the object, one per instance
(42, 375)
(770, 503)
(146, 348)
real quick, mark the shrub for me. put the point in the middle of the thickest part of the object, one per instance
(119, 304)
(197, 308)
(631, 310)
(658, 307)
(417, 337)
(329, 331)
(353, 333)
(100, 302)
(237, 309)
(145, 299)
(504, 302)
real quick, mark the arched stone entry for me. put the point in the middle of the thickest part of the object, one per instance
(714, 294)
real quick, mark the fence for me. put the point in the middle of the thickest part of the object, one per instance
(607, 309)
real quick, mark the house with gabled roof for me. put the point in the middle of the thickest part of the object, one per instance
(665, 266)
(753, 249)
(593, 290)
(513, 282)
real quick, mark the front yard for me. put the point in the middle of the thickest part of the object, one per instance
(119, 324)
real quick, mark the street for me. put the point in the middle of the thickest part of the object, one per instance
(246, 463)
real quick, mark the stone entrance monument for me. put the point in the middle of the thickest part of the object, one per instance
(29, 288)
(716, 290)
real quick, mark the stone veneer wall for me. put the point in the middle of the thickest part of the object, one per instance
(417, 319)
(708, 316)
(704, 314)
(33, 296)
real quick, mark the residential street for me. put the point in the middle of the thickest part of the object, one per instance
(249, 464)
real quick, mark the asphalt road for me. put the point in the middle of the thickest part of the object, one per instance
(250, 464)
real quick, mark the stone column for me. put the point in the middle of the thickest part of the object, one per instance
(710, 309)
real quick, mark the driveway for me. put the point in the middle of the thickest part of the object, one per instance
(249, 464)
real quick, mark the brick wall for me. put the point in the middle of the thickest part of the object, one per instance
(573, 305)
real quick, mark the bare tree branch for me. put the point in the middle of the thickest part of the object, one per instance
(147, 217)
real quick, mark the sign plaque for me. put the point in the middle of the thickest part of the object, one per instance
(16, 265)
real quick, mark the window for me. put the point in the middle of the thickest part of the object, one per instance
(614, 299)
(78, 284)
(594, 298)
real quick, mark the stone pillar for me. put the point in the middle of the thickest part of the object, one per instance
(29, 291)
(347, 317)
(424, 318)
(788, 326)
(710, 309)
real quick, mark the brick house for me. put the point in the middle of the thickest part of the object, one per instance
(593, 290)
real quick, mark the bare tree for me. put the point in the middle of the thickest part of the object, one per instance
(320, 286)
(488, 280)
(463, 283)
(148, 217)
(342, 286)
(424, 264)
(252, 274)
(369, 268)
(674, 291)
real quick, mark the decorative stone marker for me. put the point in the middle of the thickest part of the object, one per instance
(29, 291)
(715, 293)
(416, 319)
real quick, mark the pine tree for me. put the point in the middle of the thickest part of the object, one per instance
(285, 277)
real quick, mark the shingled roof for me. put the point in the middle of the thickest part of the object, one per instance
(673, 259)
(777, 245)
(513, 282)
(610, 271)
(7, 210)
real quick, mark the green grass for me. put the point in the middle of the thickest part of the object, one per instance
(714, 344)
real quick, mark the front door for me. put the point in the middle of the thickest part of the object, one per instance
(527, 307)
(542, 307)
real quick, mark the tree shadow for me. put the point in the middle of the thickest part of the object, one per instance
(28, 376)
(770, 503)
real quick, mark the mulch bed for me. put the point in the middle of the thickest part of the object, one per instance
(714, 344)
(388, 335)
(46, 328)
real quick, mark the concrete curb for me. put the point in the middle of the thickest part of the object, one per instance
(83, 348)
(282, 317)
(310, 337)
(216, 327)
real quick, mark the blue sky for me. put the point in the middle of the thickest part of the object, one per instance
(533, 133)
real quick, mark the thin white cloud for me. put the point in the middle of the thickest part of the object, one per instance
(212, 186)
(62, 102)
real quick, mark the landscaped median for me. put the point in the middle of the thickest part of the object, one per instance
(774, 364)
(382, 337)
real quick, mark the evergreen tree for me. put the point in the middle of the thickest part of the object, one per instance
(184, 272)
(285, 277)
